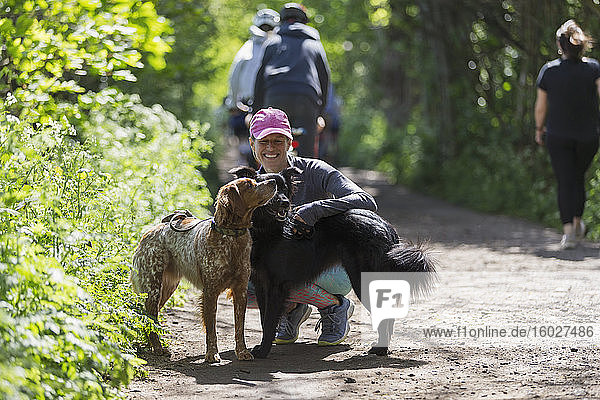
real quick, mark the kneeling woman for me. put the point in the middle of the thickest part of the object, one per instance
(321, 192)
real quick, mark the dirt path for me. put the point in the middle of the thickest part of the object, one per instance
(496, 273)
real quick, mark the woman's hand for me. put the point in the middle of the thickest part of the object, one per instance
(296, 228)
(539, 135)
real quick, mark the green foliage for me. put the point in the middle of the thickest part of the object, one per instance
(83, 206)
(485, 179)
(440, 97)
(84, 169)
(190, 63)
(593, 202)
(47, 350)
(53, 50)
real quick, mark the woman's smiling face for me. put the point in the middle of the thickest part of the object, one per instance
(271, 151)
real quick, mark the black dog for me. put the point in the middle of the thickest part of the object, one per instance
(359, 240)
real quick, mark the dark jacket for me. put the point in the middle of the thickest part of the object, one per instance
(294, 62)
(323, 191)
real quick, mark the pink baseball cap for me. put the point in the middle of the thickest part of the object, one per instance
(270, 120)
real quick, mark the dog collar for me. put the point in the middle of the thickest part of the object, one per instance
(227, 231)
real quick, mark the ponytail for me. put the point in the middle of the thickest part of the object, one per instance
(572, 40)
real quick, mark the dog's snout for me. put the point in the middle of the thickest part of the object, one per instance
(268, 188)
(283, 201)
(272, 184)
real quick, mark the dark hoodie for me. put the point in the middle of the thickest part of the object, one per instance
(294, 63)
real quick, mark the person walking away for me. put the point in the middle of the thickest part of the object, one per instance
(242, 75)
(566, 118)
(294, 76)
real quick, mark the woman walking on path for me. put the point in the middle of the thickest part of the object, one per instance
(566, 120)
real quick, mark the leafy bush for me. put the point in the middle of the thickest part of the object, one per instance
(84, 169)
(47, 350)
(592, 211)
(54, 50)
(77, 202)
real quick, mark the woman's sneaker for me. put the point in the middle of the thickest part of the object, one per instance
(289, 324)
(334, 322)
(580, 230)
(568, 241)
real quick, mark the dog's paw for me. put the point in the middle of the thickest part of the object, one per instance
(162, 352)
(379, 351)
(212, 358)
(260, 351)
(244, 355)
(156, 346)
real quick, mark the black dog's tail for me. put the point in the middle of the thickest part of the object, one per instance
(417, 264)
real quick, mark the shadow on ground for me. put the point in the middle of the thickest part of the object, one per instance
(289, 359)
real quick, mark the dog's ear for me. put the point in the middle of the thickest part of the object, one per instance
(233, 199)
(289, 174)
(243, 172)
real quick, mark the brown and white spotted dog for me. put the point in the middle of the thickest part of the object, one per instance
(214, 255)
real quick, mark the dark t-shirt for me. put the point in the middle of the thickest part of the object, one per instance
(572, 97)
